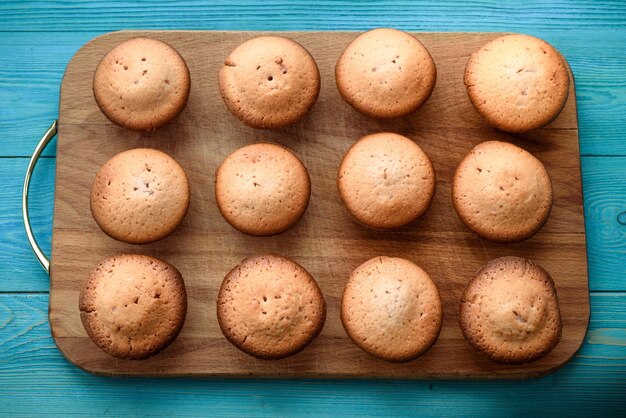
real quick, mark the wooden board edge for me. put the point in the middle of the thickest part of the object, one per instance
(514, 375)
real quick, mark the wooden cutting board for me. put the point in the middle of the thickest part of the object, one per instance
(325, 241)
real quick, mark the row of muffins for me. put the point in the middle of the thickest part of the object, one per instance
(385, 181)
(140, 68)
(518, 83)
(270, 307)
(141, 195)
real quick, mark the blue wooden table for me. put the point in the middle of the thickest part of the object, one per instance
(38, 38)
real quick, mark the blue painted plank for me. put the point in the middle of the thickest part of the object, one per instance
(19, 270)
(32, 66)
(36, 378)
(31, 70)
(310, 15)
(604, 186)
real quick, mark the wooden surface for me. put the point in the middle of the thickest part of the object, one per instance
(37, 40)
(326, 241)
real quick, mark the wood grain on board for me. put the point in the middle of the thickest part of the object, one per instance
(326, 241)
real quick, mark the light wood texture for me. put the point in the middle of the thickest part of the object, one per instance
(326, 242)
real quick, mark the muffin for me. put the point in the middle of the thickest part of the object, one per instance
(140, 196)
(386, 181)
(262, 189)
(142, 84)
(510, 311)
(269, 82)
(385, 73)
(270, 307)
(517, 82)
(391, 309)
(133, 306)
(501, 192)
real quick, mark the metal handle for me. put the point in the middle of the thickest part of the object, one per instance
(45, 140)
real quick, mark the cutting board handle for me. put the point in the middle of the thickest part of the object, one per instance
(45, 140)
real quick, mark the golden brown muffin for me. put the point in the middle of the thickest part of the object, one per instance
(385, 73)
(262, 189)
(133, 306)
(269, 82)
(386, 181)
(391, 309)
(270, 307)
(502, 192)
(517, 82)
(142, 84)
(140, 196)
(510, 311)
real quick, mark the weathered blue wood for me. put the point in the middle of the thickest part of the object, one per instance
(310, 15)
(19, 270)
(604, 192)
(37, 39)
(31, 70)
(35, 378)
(604, 186)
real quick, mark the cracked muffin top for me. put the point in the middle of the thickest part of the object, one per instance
(510, 312)
(270, 307)
(133, 306)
